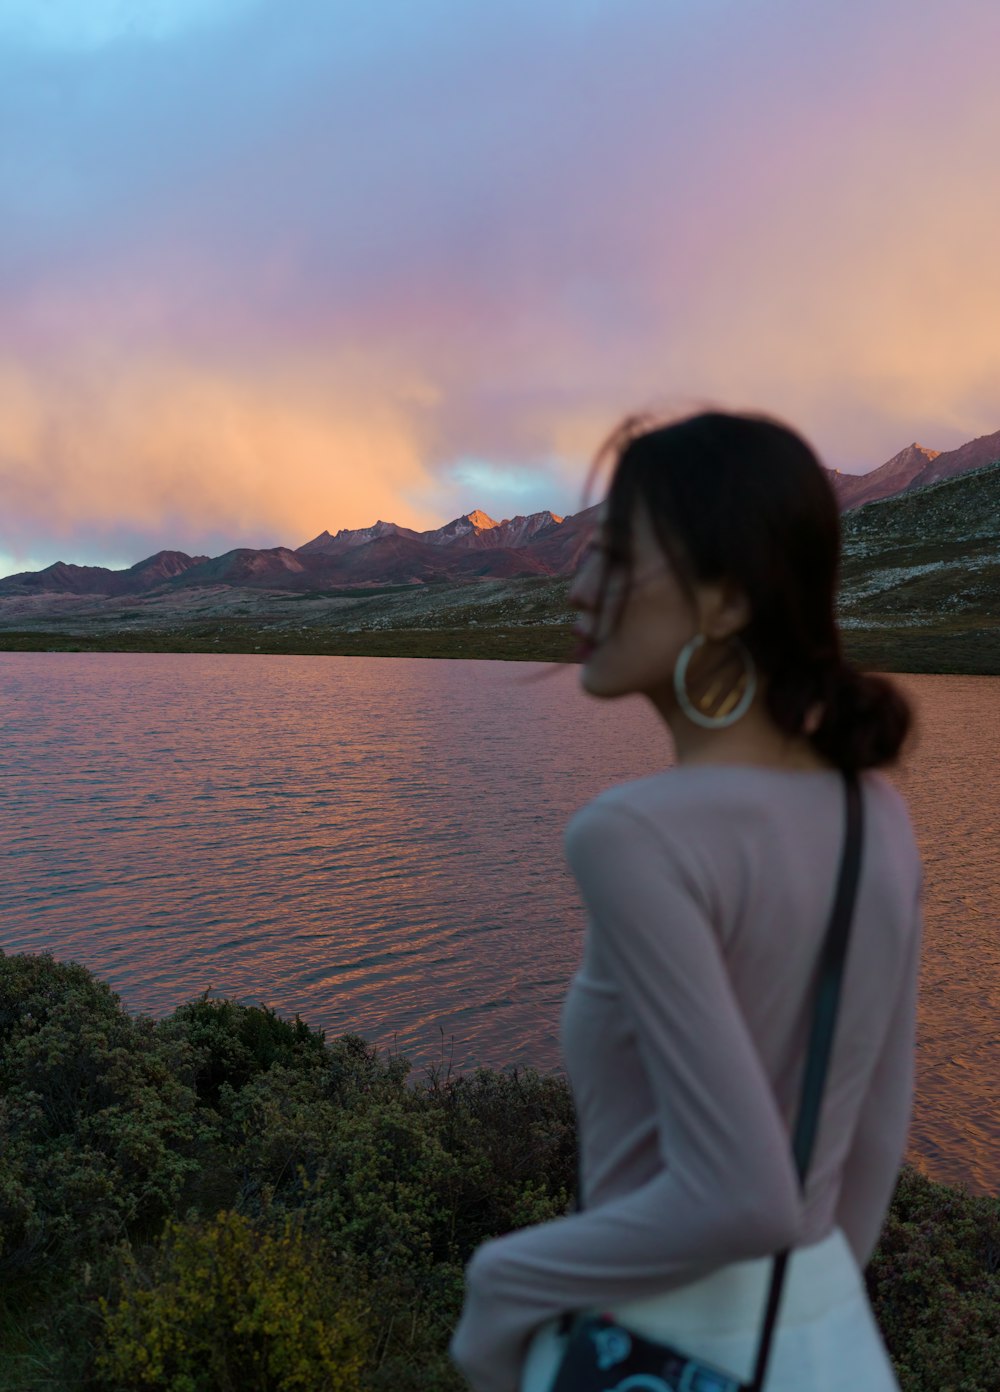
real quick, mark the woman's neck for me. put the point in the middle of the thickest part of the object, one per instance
(754, 739)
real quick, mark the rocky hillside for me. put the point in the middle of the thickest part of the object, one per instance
(983, 450)
(912, 468)
(921, 556)
(897, 474)
(144, 576)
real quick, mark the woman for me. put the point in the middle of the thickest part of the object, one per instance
(709, 588)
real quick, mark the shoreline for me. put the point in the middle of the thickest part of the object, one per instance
(947, 649)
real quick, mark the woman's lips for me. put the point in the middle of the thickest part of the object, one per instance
(584, 646)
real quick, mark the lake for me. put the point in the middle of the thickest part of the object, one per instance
(376, 844)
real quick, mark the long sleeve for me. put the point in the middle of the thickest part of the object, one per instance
(726, 1189)
(879, 1141)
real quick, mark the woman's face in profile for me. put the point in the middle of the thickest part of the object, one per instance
(631, 634)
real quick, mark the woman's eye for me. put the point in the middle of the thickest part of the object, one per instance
(609, 554)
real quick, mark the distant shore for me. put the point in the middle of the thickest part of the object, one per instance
(949, 648)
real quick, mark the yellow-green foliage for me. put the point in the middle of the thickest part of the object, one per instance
(229, 1307)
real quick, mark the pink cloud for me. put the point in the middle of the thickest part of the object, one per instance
(287, 274)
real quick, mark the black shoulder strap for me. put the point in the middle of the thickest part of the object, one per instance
(825, 1018)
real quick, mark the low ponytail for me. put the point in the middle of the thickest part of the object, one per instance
(863, 721)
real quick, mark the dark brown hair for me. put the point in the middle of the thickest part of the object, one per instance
(743, 498)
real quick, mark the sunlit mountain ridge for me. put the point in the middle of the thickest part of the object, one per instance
(918, 592)
(474, 529)
(472, 547)
(467, 548)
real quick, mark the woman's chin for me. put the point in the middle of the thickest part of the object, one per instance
(600, 683)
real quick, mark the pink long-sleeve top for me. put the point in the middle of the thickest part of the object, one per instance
(708, 892)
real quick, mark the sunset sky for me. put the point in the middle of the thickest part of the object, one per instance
(271, 267)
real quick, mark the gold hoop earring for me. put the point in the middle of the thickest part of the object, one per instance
(717, 706)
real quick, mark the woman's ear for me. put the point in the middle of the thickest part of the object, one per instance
(723, 609)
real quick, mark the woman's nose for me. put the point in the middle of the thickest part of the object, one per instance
(583, 589)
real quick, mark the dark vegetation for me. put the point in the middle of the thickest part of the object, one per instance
(523, 643)
(223, 1200)
(951, 645)
(958, 647)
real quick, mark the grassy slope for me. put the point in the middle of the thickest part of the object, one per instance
(949, 647)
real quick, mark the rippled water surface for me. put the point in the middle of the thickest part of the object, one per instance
(377, 844)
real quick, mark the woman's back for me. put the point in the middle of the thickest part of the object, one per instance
(708, 890)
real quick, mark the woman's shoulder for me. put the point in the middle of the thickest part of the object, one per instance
(691, 802)
(732, 835)
(689, 787)
(675, 802)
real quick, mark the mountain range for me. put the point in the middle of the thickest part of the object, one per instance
(471, 547)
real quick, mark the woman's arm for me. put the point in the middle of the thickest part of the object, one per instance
(879, 1143)
(728, 1190)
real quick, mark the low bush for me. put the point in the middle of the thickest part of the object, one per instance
(100, 1134)
(232, 1043)
(934, 1284)
(227, 1306)
(404, 1175)
(226, 1199)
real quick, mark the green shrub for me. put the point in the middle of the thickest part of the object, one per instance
(99, 1131)
(230, 1307)
(358, 1075)
(514, 1138)
(400, 1174)
(32, 986)
(233, 1043)
(934, 1284)
(409, 1179)
(416, 1314)
(349, 1192)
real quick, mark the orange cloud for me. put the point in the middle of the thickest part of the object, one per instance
(273, 456)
